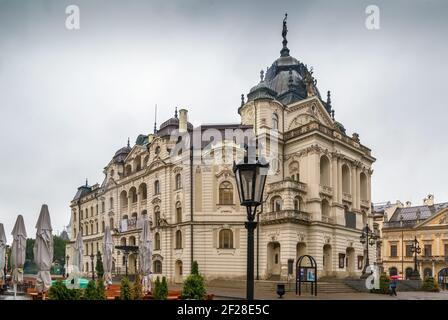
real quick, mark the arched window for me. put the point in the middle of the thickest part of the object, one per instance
(91, 211)
(225, 193)
(157, 266)
(128, 170)
(324, 171)
(145, 162)
(87, 213)
(156, 187)
(111, 203)
(178, 239)
(87, 249)
(132, 241)
(125, 217)
(363, 183)
(325, 207)
(157, 216)
(294, 169)
(87, 267)
(134, 215)
(138, 163)
(156, 241)
(297, 202)
(178, 181)
(124, 199)
(97, 229)
(226, 239)
(81, 214)
(142, 190)
(276, 203)
(274, 121)
(157, 151)
(345, 179)
(123, 241)
(427, 272)
(133, 195)
(111, 223)
(103, 206)
(393, 271)
(178, 212)
(74, 233)
(144, 214)
(103, 226)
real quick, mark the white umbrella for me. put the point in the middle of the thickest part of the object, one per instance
(107, 256)
(18, 251)
(43, 250)
(77, 258)
(145, 255)
(2, 250)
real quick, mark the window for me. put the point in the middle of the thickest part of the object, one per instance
(157, 151)
(142, 190)
(226, 239)
(132, 241)
(111, 203)
(97, 248)
(103, 226)
(325, 208)
(225, 193)
(97, 211)
(133, 195)
(103, 206)
(157, 216)
(74, 233)
(111, 223)
(178, 239)
(324, 171)
(274, 121)
(124, 199)
(446, 250)
(428, 250)
(178, 212)
(350, 218)
(408, 250)
(87, 249)
(97, 229)
(363, 182)
(91, 211)
(157, 266)
(123, 241)
(393, 250)
(81, 215)
(345, 179)
(178, 181)
(157, 241)
(128, 170)
(297, 204)
(156, 187)
(276, 203)
(87, 213)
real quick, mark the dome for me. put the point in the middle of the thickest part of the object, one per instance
(122, 153)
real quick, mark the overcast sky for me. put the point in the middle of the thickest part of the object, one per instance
(70, 98)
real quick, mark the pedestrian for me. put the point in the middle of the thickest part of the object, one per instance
(393, 287)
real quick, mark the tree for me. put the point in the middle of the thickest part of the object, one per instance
(30, 267)
(193, 287)
(99, 265)
(160, 289)
(100, 290)
(59, 291)
(125, 289)
(430, 285)
(90, 293)
(137, 288)
(59, 250)
(384, 284)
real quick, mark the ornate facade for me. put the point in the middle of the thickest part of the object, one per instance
(318, 192)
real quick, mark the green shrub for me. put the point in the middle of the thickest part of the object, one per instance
(384, 284)
(99, 265)
(90, 293)
(430, 285)
(137, 288)
(59, 291)
(160, 289)
(193, 287)
(100, 290)
(125, 289)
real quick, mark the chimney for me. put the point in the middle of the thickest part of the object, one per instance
(408, 204)
(183, 120)
(429, 201)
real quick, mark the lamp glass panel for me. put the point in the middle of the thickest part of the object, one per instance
(247, 181)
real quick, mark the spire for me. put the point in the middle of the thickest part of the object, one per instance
(155, 119)
(332, 114)
(285, 51)
(261, 76)
(175, 113)
(290, 79)
(242, 99)
(129, 143)
(87, 182)
(329, 99)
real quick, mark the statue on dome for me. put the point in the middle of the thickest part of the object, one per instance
(310, 83)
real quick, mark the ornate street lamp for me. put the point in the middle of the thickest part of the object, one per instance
(415, 249)
(250, 181)
(66, 259)
(92, 256)
(368, 237)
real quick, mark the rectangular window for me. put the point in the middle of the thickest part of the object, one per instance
(341, 260)
(446, 250)
(409, 250)
(428, 250)
(393, 250)
(350, 220)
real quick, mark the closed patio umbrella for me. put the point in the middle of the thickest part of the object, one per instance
(43, 250)
(18, 251)
(145, 255)
(2, 250)
(77, 258)
(107, 256)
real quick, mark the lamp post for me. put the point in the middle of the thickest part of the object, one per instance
(415, 249)
(368, 237)
(92, 256)
(250, 183)
(66, 270)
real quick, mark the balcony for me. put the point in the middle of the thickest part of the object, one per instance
(287, 184)
(347, 197)
(326, 190)
(131, 225)
(327, 219)
(365, 204)
(284, 216)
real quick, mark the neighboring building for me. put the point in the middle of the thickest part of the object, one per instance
(318, 196)
(427, 222)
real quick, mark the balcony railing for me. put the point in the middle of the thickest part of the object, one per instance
(285, 216)
(287, 184)
(326, 190)
(327, 219)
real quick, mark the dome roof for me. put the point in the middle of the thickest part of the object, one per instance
(122, 153)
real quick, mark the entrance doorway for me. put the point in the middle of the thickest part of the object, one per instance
(350, 256)
(327, 260)
(178, 272)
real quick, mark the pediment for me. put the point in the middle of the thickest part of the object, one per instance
(439, 219)
(307, 111)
